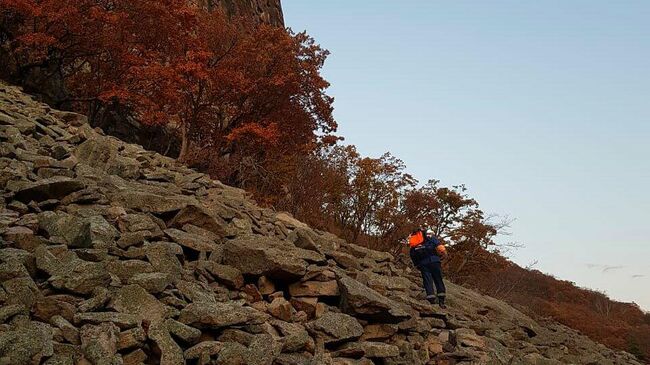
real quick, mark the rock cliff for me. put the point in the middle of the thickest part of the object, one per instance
(111, 254)
(264, 11)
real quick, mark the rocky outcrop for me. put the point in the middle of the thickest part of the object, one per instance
(111, 254)
(264, 11)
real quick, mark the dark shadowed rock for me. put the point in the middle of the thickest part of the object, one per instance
(55, 187)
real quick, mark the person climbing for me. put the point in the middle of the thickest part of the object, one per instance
(426, 252)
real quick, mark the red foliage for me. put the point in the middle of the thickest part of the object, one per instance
(619, 325)
(229, 88)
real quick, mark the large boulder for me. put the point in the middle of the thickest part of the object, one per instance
(99, 343)
(201, 217)
(335, 328)
(190, 240)
(170, 352)
(133, 299)
(55, 187)
(258, 255)
(82, 278)
(360, 300)
(314, 289)
(78, 232)
(218, 315)
(368, 349)
(147, 201)
(26, 342)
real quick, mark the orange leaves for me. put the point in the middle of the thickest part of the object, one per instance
(268, 135)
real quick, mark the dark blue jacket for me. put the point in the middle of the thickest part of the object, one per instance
(425, 253)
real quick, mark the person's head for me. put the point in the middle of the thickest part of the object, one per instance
(429, 232)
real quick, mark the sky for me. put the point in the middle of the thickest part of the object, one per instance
(541, 108)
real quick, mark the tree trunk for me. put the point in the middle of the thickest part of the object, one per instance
(182, 156)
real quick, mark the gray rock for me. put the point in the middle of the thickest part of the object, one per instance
(99, 343)
(362, 301)
(295, 337)
(335, 327)
(182, 331)
(224, 274)
(218, 315)
(134, 337)
(151, 202)
(55, 187)
(154, 282)
(8, 311)
(171, 352)
(195, 292)
(70, 332)
(163, 259)
(21, 290)
(206, 348)
(99, 297)
(201, 217)
(95, 231)
(133, 299)
(465, 337)
(189, 240)
(367, 349)
(83, 278)
(257, 255)
(26, 343)
(122, 320)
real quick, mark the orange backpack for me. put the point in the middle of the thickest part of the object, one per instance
(416, 239)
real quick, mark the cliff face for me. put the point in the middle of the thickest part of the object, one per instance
(264, 11)
(111, 254)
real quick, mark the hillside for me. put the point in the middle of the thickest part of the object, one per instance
(113, 254)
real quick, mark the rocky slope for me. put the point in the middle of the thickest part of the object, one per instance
(111, 254)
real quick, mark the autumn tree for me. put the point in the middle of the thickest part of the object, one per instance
(369, 191)
(238, 95)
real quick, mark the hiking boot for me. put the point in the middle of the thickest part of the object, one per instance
(431, 299)
(441, 301)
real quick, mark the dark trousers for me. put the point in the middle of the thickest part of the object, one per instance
(432, 275)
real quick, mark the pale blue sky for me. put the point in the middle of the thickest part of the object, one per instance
(541, 108)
